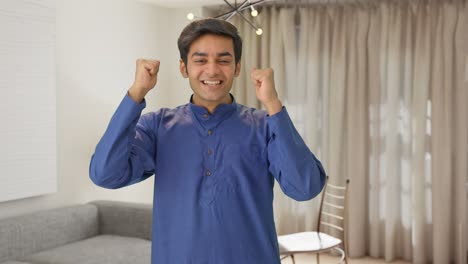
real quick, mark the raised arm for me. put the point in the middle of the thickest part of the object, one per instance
(126, 153)
(299, 173)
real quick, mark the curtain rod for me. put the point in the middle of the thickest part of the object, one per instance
(307, 3)
(286, 3)
(366, 2)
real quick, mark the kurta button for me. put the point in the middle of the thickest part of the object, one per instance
(210, 132)
(209, 152)
(205, 116)
(208, 173)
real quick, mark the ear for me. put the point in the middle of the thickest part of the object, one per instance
(238, 68)
(183, 69)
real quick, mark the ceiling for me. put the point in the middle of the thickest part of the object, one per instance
(200, 3)
(186, 3)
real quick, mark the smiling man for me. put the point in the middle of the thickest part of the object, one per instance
(215, 161)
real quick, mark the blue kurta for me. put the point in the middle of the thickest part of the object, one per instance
(214, 177)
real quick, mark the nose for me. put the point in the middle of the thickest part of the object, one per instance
(212, 69)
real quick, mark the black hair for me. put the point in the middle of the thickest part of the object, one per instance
(201, 27)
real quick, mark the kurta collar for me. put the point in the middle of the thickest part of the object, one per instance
(221, 112)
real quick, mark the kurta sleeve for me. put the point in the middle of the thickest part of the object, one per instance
(126, 153)
(299, 173)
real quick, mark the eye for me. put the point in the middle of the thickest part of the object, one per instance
(200, 61)
(224, 61)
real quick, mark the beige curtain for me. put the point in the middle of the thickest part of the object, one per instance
(378, 90)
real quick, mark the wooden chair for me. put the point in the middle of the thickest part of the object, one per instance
(332, 217)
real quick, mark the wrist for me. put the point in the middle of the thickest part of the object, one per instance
(273, 107)
(136, 94)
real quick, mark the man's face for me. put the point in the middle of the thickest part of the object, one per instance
(211, 69)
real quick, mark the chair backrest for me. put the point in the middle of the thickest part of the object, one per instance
(332, 213)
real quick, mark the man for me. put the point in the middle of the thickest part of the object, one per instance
(214, 160)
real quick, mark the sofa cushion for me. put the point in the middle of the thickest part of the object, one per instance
(31, 233)
(101, 249)
(124, 218)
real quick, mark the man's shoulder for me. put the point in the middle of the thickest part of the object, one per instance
(166, 113)
(252, 112)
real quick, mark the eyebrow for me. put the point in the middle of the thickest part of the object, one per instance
(221, 54)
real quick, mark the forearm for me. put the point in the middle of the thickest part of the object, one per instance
(113, 164)
(299, 173)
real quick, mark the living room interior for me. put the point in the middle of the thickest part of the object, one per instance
(377, 88)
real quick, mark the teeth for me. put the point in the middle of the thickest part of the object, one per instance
(212, 82)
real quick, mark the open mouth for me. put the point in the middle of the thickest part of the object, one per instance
(212, 83)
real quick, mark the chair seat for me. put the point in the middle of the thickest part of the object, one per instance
(306, 242)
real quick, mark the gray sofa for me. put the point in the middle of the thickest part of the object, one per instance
(95, 233)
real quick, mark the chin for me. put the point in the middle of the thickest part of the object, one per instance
(215, 97)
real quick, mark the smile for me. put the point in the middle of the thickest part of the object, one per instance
(212, 82)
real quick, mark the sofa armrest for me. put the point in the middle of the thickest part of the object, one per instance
(124, 219)
(15, 262)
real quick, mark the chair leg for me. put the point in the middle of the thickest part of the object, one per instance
(342, 253)
(293, 260)
(318, 257)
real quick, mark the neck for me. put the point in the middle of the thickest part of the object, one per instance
(210, 106)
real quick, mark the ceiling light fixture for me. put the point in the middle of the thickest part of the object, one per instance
(254, 12)
(237, 10)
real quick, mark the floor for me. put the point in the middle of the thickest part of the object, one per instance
(327, 259)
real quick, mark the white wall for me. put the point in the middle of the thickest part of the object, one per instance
(97, 45)
(27, 69)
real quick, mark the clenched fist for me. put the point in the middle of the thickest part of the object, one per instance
(146, 76)
(264, 83)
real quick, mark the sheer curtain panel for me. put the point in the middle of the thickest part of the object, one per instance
(378, 90)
